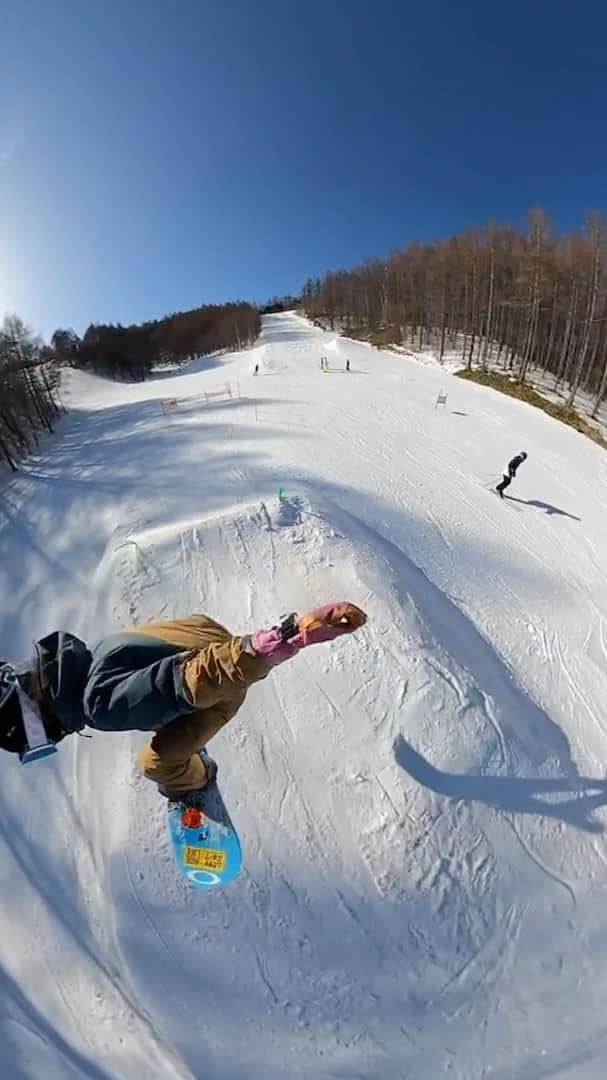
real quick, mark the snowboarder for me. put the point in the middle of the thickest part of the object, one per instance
(347, 365)
(323, 362)
(511, 472)
(182, 680)
(256, 372)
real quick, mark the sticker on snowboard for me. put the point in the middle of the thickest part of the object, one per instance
(204, 840)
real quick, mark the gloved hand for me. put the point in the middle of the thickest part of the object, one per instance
(295, 632)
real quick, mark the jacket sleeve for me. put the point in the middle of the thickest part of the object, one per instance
(213, 674)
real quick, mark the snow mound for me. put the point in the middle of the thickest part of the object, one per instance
(367, 847)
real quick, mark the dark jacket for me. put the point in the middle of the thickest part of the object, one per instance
(141, 679)
(514, 464)
(135, 683)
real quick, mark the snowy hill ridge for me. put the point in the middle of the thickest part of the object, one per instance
(421, 812)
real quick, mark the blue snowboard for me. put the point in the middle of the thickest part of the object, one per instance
(204, 840)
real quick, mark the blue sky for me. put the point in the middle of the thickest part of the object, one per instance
(154, 156)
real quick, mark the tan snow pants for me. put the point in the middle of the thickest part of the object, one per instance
(216, 675)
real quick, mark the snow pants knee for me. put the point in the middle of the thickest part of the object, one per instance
(171, 758)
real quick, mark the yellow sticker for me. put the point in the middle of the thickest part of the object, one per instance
(204, 858)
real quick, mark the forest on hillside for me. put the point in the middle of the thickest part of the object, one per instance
(132, 352)
(29, 369)
(525, 301)
(29, 383)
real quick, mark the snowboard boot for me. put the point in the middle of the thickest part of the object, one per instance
(192, 798)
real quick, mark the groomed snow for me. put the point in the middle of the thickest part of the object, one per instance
(421, 807)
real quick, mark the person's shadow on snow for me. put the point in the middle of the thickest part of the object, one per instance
(510, 793)
(546, 507)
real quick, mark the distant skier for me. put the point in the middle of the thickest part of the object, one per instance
(511, 472)
(347, 365)
(181, 680)
(256, 371)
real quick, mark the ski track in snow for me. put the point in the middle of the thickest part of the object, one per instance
(421, 808)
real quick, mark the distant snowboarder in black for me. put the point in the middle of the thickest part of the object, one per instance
(511, 473)
(347, 365)
(256, 372)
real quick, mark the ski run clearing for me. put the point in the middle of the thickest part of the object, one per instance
(421, 807)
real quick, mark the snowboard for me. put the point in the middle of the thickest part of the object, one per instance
(204, 841)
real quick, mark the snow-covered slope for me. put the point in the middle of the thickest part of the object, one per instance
(421, 808)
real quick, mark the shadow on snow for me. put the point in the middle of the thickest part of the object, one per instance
(546, 507)
(512, 794)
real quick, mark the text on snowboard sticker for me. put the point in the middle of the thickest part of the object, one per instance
(204, 858)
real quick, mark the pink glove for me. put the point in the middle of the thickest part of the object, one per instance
(297, 631)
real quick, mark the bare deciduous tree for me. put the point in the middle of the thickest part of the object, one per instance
(499, 296)
(28, 385)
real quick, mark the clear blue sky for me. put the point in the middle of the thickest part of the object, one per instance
(156, 155)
